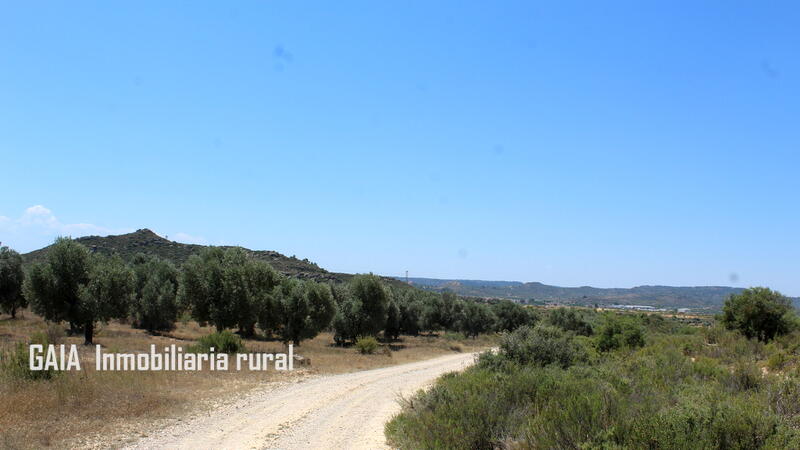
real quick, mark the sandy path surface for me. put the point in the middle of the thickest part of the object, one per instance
(346, 411)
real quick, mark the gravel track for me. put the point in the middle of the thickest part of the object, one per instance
(346, 411)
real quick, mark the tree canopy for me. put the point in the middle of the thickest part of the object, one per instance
(11, 279)
(759, 313)
(75, 286)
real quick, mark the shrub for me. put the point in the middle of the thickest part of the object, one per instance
(511, 315)
(54, 333)
(619, 332)
(456, 413)
(222, 342)
(541, 346)
(450, 336)
(15, 364)
(778, 360)
(745, 376)
(784, 397)
(650, 397)
(708, 369)
(570, 320)
(367, 345)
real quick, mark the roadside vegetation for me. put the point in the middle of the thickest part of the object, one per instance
(581, 379)
(220, 298)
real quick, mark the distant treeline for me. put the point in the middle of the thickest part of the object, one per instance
(229, 289)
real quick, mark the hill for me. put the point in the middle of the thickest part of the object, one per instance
(669, 297)
(147, 242)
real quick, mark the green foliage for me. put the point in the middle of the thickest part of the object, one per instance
(15, 364)
(451, 311)
(620, 332)
(363, 309)
(221, 342)
(80, 288)
(11, 279)
(392, 329)
(347, 321)
(367, 345)
(227, 288)
(540, 346)
(373, 299)
(108, 294)
(759, 313)
(571, 320)
(410, 315)
(778, 360)
(155, 306)
(54, 287)
(511, 315)
(304, 309)
(476, 318)
(676, 392)
(432, 313)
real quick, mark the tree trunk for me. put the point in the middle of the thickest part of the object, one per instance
(219, 328)
(13, 312)
(88, 333)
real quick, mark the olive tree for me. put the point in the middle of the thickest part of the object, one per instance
(451, 310)
(362, 309)
(155, 304)
(226, 288)
(304, 309)
(75, 286)
(347, 323)
(373, 300)
(391, 330)
(476, 318)
(11, 278)
(410, 315)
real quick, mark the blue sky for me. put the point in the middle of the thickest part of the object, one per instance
(607, 144)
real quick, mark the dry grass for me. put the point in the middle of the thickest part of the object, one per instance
(76, 408)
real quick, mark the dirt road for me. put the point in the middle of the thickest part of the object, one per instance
(346, 411)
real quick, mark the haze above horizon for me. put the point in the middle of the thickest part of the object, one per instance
(608, 145)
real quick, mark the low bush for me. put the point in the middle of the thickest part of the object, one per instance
(367, 345)
(15, 364)
(620, 332)
(221, 342)
(544, 389)
(541, 345)
(570, 320)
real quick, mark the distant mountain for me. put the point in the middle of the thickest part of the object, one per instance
(711, 297)
(147, 242)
